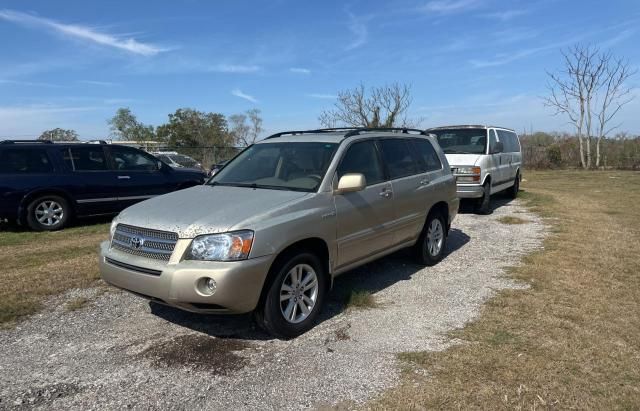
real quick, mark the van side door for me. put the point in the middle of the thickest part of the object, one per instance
(496, 161)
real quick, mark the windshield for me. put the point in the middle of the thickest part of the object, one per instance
(184, 161)
(462, 141)
(278, 166)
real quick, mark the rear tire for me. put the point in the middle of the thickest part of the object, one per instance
(294, 297)
(431, 245)
(48, 213)
(483, 204)
(512, 191)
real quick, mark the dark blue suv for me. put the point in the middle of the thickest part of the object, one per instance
(43, 184)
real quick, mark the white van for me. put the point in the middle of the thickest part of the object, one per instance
(484, 159)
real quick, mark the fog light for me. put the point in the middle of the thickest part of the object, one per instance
(207, 286)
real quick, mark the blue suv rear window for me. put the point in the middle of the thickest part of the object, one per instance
(24, 160)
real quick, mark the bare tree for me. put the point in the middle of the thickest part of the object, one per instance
(384, 106)
(614, 95)
(589, 85)
(245, 128)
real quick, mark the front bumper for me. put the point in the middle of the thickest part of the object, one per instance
(239, 283)
(469, 190)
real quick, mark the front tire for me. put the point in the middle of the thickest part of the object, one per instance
(430, 248)
(512, 191)
(48, 213)
(295, 296)
(483, 204)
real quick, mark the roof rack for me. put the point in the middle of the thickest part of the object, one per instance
(26, 142)
(403, 130)
(350, 131)
(469, 126)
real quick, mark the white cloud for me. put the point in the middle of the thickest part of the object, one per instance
(300, 70)
(98, 83)
(359, 30)
(505, 15)
(82, 32)
(450, 6)
(239, 93)
(323, 96)
(29, 83)
(234, 68)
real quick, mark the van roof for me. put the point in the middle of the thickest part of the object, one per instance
(470, 126)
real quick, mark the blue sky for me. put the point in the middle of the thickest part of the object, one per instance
(71, 64)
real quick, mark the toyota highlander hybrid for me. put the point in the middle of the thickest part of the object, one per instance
(270, 231)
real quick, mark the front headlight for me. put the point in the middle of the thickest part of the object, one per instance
(232, 246)
(468, 174)
(112, 229)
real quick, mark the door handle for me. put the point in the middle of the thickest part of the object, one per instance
(386, 193)
(424, 182)
(124, 177)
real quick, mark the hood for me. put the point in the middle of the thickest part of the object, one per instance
(205, 209)
(463, 159)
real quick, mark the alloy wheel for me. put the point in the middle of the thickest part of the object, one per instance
(298, 293)
(49, 213)
(435, 237)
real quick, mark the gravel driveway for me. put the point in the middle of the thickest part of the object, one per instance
(119, 351)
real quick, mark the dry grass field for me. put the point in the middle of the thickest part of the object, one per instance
(34, 266)
(572, 341)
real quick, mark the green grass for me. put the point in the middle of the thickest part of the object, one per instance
(512, 220)
(38, 265)
(361, 299)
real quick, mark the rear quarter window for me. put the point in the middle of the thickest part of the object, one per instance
(428, 157)
(24, 161)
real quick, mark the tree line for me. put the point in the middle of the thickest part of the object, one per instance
(589, 91)
(186, 127)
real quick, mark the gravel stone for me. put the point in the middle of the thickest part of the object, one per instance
(122, 352)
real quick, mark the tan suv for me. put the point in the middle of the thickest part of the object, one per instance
(270, 231)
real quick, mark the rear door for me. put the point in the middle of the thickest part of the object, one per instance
(364, 218)
(410, 185)
(138, 175)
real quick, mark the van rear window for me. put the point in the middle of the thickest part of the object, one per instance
(24, 160)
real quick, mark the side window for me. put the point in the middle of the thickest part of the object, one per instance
(85, 158)
(130, 159)
(515, 143)
(24, 160)
(362, 157)
(493, 139)
(428, 156)
(397, 155)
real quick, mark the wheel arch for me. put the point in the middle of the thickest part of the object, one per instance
(32, 195)
(315, 245)
(439, 207)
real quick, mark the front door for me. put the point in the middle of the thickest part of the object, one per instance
(364, 218)
(138, 175)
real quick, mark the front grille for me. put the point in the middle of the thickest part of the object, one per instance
(144, 242)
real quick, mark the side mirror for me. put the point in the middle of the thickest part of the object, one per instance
(498, 148)
(160, 165)
(350, 183)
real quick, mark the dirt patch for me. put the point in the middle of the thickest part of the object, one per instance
(217, 355)
(39, 396)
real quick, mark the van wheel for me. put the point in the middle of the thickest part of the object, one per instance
(295, 296)
(431, 245)
(483, 204)
(512, 191)
(48, 213)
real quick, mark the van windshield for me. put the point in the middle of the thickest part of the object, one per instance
(278, 166)
(462, 140)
